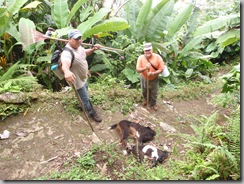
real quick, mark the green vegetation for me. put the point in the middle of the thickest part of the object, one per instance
(196, 42)
(213, 153)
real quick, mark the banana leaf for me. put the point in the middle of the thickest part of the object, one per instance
(160, 5)
(5, 19)
(142, 17)
(158, 21)
(85, 13)
(115, 24)
(216, 24)
(26, 28)
(60, 13)
(15, 7)
(131, 11)
(229, 37)
(197, 40)
(31, 5)
(180, 20)
(98, 16)
(75, 8)
(14, 32)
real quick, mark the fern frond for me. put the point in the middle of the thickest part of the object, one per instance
(11, 71)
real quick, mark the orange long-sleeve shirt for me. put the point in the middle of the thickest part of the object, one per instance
(156, 60)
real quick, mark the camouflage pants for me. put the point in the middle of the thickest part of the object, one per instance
(153, 89)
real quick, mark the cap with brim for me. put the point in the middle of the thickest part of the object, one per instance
(147, 46)
(74, 34)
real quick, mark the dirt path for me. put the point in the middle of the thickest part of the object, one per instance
(48, 137)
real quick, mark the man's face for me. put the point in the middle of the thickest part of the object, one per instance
(75, 43)
(148, 53)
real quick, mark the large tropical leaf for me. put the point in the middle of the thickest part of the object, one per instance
(26, 28)
(33, 4)
(60, 13)
(142, 17)
(14, 32)
(115, 24)
(75, 8)
(4, 20)
(98, 16)
(160, 5)
(229, 37)
(180, 20)
(98, 68)
(216, 24)
(85, 13)
(15, 7)
(197, 40)
(158, 20)
(131, 11)
(131, 75)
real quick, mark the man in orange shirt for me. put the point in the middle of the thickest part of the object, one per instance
(150, 65)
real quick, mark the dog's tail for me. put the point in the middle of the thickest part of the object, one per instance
(113, 126)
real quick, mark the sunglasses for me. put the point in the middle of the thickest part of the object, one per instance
(79, 38)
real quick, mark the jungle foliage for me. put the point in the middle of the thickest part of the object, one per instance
(193, 40)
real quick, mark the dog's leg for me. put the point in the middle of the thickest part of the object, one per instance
(141, 156)
(154, 162)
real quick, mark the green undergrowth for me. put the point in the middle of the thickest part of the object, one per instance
(212, 153)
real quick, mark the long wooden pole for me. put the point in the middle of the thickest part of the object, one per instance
(147, 89)
(38, 34)
(82, 106)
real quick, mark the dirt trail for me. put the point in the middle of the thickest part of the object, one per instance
(48, 137)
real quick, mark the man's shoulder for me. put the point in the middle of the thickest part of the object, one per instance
(156, 55)
(141, 56)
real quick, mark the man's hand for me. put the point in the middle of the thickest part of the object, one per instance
(96, 46)
(69, 76)
(148, 66)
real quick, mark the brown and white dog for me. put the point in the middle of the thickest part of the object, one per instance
(139, 133)
(150, 152)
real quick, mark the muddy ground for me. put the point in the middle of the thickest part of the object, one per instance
(46, 136)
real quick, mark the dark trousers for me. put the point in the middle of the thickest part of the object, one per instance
(153, 90)
(83, 93)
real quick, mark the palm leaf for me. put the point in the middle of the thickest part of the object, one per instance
(60, 13)
(180, 20)
(216, 24)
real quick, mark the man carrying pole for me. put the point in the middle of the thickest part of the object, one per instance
(77, 74)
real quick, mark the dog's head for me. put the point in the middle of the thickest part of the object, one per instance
(164, 156)
(148, 134)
